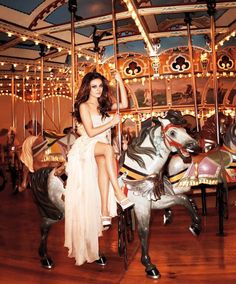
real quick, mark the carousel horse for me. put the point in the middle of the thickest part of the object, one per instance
(3, 179)
(142, 165)
(216, 167)
(207, 136)
(12, 152)
(141, 171)
(48, 193)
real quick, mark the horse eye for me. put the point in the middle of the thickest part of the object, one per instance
(172, 133)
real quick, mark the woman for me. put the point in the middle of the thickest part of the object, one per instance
(90, 201)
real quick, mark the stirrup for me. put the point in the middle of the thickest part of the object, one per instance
(106, 221)
(125, 203)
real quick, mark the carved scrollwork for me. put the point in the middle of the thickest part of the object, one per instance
(225, 62)
(133, 69)
(180, 64)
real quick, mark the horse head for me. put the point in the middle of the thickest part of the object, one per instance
(150, 150)
(208, 133)
(175, 135)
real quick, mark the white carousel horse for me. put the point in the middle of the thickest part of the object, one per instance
(143, 163)
(144, 158)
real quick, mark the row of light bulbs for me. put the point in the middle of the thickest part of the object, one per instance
(140, 116)
(141, 79)
(144, 116)
(49, 45)
(46, 96)
(227, 38)
(136, 18)
(179, 76)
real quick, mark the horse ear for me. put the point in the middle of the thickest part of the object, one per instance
(156, 120)
(160, 120)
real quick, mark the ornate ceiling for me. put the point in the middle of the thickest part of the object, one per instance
(26, 25)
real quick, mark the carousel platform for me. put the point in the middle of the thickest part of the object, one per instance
(180, 257)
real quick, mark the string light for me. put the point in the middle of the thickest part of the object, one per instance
(226, 38)
(135, 16)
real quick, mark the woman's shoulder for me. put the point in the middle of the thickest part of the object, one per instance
(84, 108)
(83, 105)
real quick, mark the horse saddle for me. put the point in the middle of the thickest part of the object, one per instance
(206, 168)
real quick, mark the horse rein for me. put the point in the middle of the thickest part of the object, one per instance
(169, 142)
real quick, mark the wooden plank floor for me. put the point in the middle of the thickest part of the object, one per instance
(180, 257)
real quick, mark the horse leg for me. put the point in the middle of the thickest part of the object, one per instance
(167, 216)
(46, 261)
(143, 212)
(191, 206)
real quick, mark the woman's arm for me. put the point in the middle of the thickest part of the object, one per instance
(88, 125)
(123, 94)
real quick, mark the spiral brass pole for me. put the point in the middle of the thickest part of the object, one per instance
(215, 83)
(150, 85)
(13, 99)
(23, 98)
(41, 94)
(190, 47)
(116, 67)
(72, 9)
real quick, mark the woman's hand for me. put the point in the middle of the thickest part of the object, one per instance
(118, 77)
(115, 120)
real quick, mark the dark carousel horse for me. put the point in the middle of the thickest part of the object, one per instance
(207, 135)
(12, 158)
(215, 168)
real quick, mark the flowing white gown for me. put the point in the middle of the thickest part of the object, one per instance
(83, 225)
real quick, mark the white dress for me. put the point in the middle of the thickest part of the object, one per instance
(83, 225)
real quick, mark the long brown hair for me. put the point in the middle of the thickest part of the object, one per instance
(84, 91)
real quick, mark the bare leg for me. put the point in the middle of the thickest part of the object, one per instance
(103, 183)
(106, 150)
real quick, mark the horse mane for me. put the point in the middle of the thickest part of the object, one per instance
(209, 128)
(135, 150)
(230, 135)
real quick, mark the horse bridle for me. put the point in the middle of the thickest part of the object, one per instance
(169, 142)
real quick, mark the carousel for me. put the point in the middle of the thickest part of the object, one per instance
(178, 134)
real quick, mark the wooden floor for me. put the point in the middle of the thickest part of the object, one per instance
(180, 257)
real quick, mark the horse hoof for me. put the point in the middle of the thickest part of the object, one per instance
(101, 261)
(15, 191)
(47, 263)
(153, 273)
(167, 220)
(195, 230)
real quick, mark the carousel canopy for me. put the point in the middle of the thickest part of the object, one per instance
(30, 28)
(41, 42)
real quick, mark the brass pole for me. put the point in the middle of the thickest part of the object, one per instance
(96, 60)
(150, 85)
(214, 73)
(53, 107)
(211, 5)
(23, 98)
(42, 95)
(34, 84)
(13, 99)
(72, 8)
(116, 67)
(59, 113)
(190, 47)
